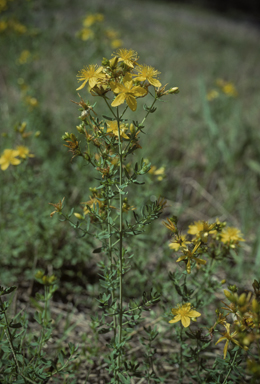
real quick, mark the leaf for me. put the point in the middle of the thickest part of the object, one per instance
(97, 250)
(103, 331)
(253, 165)
(6, 291)
(16, 325)
(108, 118)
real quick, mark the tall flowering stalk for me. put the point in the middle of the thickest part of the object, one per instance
(121, 84)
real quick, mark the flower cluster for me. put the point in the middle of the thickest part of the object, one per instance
(91, 30)
(206, 238)
(223, 87)
(10, 156)
(243, 311)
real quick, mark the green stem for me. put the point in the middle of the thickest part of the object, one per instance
(231, 367)
(181, 357)
(148, 111)
(120, 237)
(111, 258)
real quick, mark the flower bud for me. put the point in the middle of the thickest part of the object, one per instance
(255, 305)
(173, 90)
(37, 133)
(78, 216)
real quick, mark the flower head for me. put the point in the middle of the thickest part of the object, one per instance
(190, 255)
(228, 337)
(112, 129)
(145, 72)
(129, 57)
(9, 157)
(202, 230)
(231, 236)
(184, 313)
(92, 74)
(180, 241)
(127, 92)
(23, 152)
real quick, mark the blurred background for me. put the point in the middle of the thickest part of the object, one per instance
(203, 143)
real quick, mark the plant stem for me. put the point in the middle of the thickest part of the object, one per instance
(121, 237)
(231, 367)
(111, 258)
(181, 359)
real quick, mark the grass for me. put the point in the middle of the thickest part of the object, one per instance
(209, 149)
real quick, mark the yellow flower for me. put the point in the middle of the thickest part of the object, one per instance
(116, 43)
(25, 55)
(190, 255)
(127, 92)
(129, 57)
(91, 74)
(3, 25)
(23, 152)
(160, 172)
(92, 18)
(184, 313)
(85, 34)
(179, 242)
(112, 128)
(231, 236)
(145, 72)
(228, 337)
(9, 157)
(213, 94)
(202, 230)
(227, 87)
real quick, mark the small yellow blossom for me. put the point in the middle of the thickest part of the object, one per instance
(92, 74)
(3, 25)
(3, 5)
(23, 152)
(129, 57)
(127, 92)
(160, 172)
(116, 43)
(180, 242)
(85, 34)
(228, 337)
(190, 255)
(9, 157)
(58, 207)
(31, 101)
(202, 229)
(213, 94)
(231, 236)
(112, 128)
(145, 72)
(24, 57)
(227, 87)
(92, 18)
(185, 313)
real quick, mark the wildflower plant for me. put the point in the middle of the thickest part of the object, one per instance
(106, 144)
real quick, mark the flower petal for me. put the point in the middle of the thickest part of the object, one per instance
(120, 99)
(185, 320)
(132, 104)
(193, 313)
(154, 82)
(82, 85)
(175, 319)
